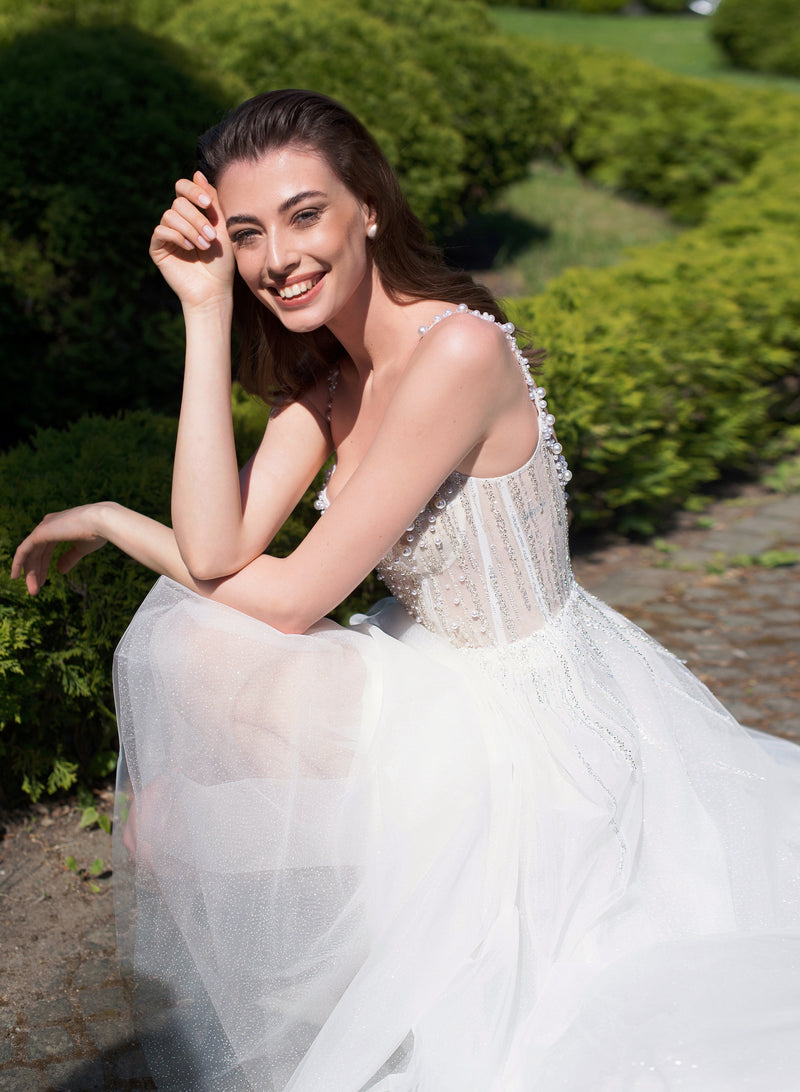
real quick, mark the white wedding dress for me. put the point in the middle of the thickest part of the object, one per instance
(490, 838)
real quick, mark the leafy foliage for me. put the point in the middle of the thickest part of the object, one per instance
(85, 320)
(680, 362)
(764, 36)
(593, 7)
(56, 704)
(671, 140)
(452, 135)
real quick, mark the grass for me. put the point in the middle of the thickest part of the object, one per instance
(680, 43)
(547, 223)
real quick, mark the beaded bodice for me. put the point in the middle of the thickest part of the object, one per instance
(486, 561)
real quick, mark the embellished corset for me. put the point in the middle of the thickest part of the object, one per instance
(486, 561)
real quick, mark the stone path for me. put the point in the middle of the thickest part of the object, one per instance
(719, 590)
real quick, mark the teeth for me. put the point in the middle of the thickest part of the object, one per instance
(298, 289)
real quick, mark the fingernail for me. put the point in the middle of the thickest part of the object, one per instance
(203, 243)
(209, 232)
(187, 245)
(204, 200)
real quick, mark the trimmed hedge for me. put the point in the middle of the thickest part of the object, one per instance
(670, 140)
(593, 7)
(764, 36)
(681, 362)
(56, 704)
(452, 135)
(97, 124)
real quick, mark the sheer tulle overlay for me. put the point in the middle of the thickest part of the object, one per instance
(490, 837)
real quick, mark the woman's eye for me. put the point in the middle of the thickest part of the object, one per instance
(242, 238)
(306, 216)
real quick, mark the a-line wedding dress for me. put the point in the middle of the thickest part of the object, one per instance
(490, 838)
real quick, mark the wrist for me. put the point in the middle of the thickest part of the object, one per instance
(103, 518)
(215, 308)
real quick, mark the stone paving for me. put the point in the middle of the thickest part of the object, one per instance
(721, 591)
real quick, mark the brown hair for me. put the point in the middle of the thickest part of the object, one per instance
(279, 365)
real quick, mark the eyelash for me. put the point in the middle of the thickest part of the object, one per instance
(307, 216)
(302, 219)
(242, 238)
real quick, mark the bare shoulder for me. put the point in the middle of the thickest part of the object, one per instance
(472, 347)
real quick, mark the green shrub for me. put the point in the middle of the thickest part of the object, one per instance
(671, 140)
(681, 362)
(764, 35)
(56, 705)
(452, 135)
(97, 125)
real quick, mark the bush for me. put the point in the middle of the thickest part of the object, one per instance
(764, 35)
(593, 7)
(97, 124)
(680, 362)
(670, 140)
(452, 135)
(56, 704)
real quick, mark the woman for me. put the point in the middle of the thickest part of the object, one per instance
(492, 836)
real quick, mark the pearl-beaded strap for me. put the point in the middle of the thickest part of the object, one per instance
(333, 379)
(536, 393)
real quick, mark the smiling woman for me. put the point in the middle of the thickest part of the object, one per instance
(488, 838)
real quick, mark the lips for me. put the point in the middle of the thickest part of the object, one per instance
(299, 288)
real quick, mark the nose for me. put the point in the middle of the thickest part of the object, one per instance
(281, 256)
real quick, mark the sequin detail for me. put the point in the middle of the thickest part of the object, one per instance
(486, 561)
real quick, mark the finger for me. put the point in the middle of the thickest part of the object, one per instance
(198, 218)
(198, 191)
(70, 558)
(196, 230)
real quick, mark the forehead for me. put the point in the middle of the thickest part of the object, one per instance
(274, 178)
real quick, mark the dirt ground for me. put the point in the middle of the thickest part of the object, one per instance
(46, 909)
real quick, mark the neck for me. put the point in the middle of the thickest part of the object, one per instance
(374, 330)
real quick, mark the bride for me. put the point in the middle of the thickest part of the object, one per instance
(489, 838)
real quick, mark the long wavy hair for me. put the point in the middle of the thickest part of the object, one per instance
(279, 365)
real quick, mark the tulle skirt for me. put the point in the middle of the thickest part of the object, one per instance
(360, 859)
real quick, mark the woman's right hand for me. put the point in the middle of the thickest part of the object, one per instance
(191, 247)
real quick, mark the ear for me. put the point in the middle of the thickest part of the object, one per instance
(370, 221)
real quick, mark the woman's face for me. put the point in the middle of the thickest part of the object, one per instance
(298, 235)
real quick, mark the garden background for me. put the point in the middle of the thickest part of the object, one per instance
(537, 160)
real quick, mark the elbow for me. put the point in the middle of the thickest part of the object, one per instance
(288, 609)
(204, 567)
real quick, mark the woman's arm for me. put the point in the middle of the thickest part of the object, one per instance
(459, 389)
(454, 394)
(223, 520)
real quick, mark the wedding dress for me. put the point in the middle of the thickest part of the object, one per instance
(490, 838)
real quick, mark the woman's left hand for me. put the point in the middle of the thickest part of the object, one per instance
(80, 526)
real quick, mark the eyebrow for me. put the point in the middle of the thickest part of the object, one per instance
(285, 206)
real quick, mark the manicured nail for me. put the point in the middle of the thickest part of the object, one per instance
(209, 232)
(186, 244)
(203, 243)
(204, 200)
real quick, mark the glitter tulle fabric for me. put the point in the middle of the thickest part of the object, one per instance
(490, 838)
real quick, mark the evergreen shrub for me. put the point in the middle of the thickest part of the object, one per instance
(681, 362)
(57, 722)
(453, 135)
(97, 124)
(764, 36)
(668, 139)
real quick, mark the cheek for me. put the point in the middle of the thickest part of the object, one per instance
(248, 265)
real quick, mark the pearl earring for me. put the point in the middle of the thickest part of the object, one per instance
(372, 231)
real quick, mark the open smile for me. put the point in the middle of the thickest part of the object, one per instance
(298, 290)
